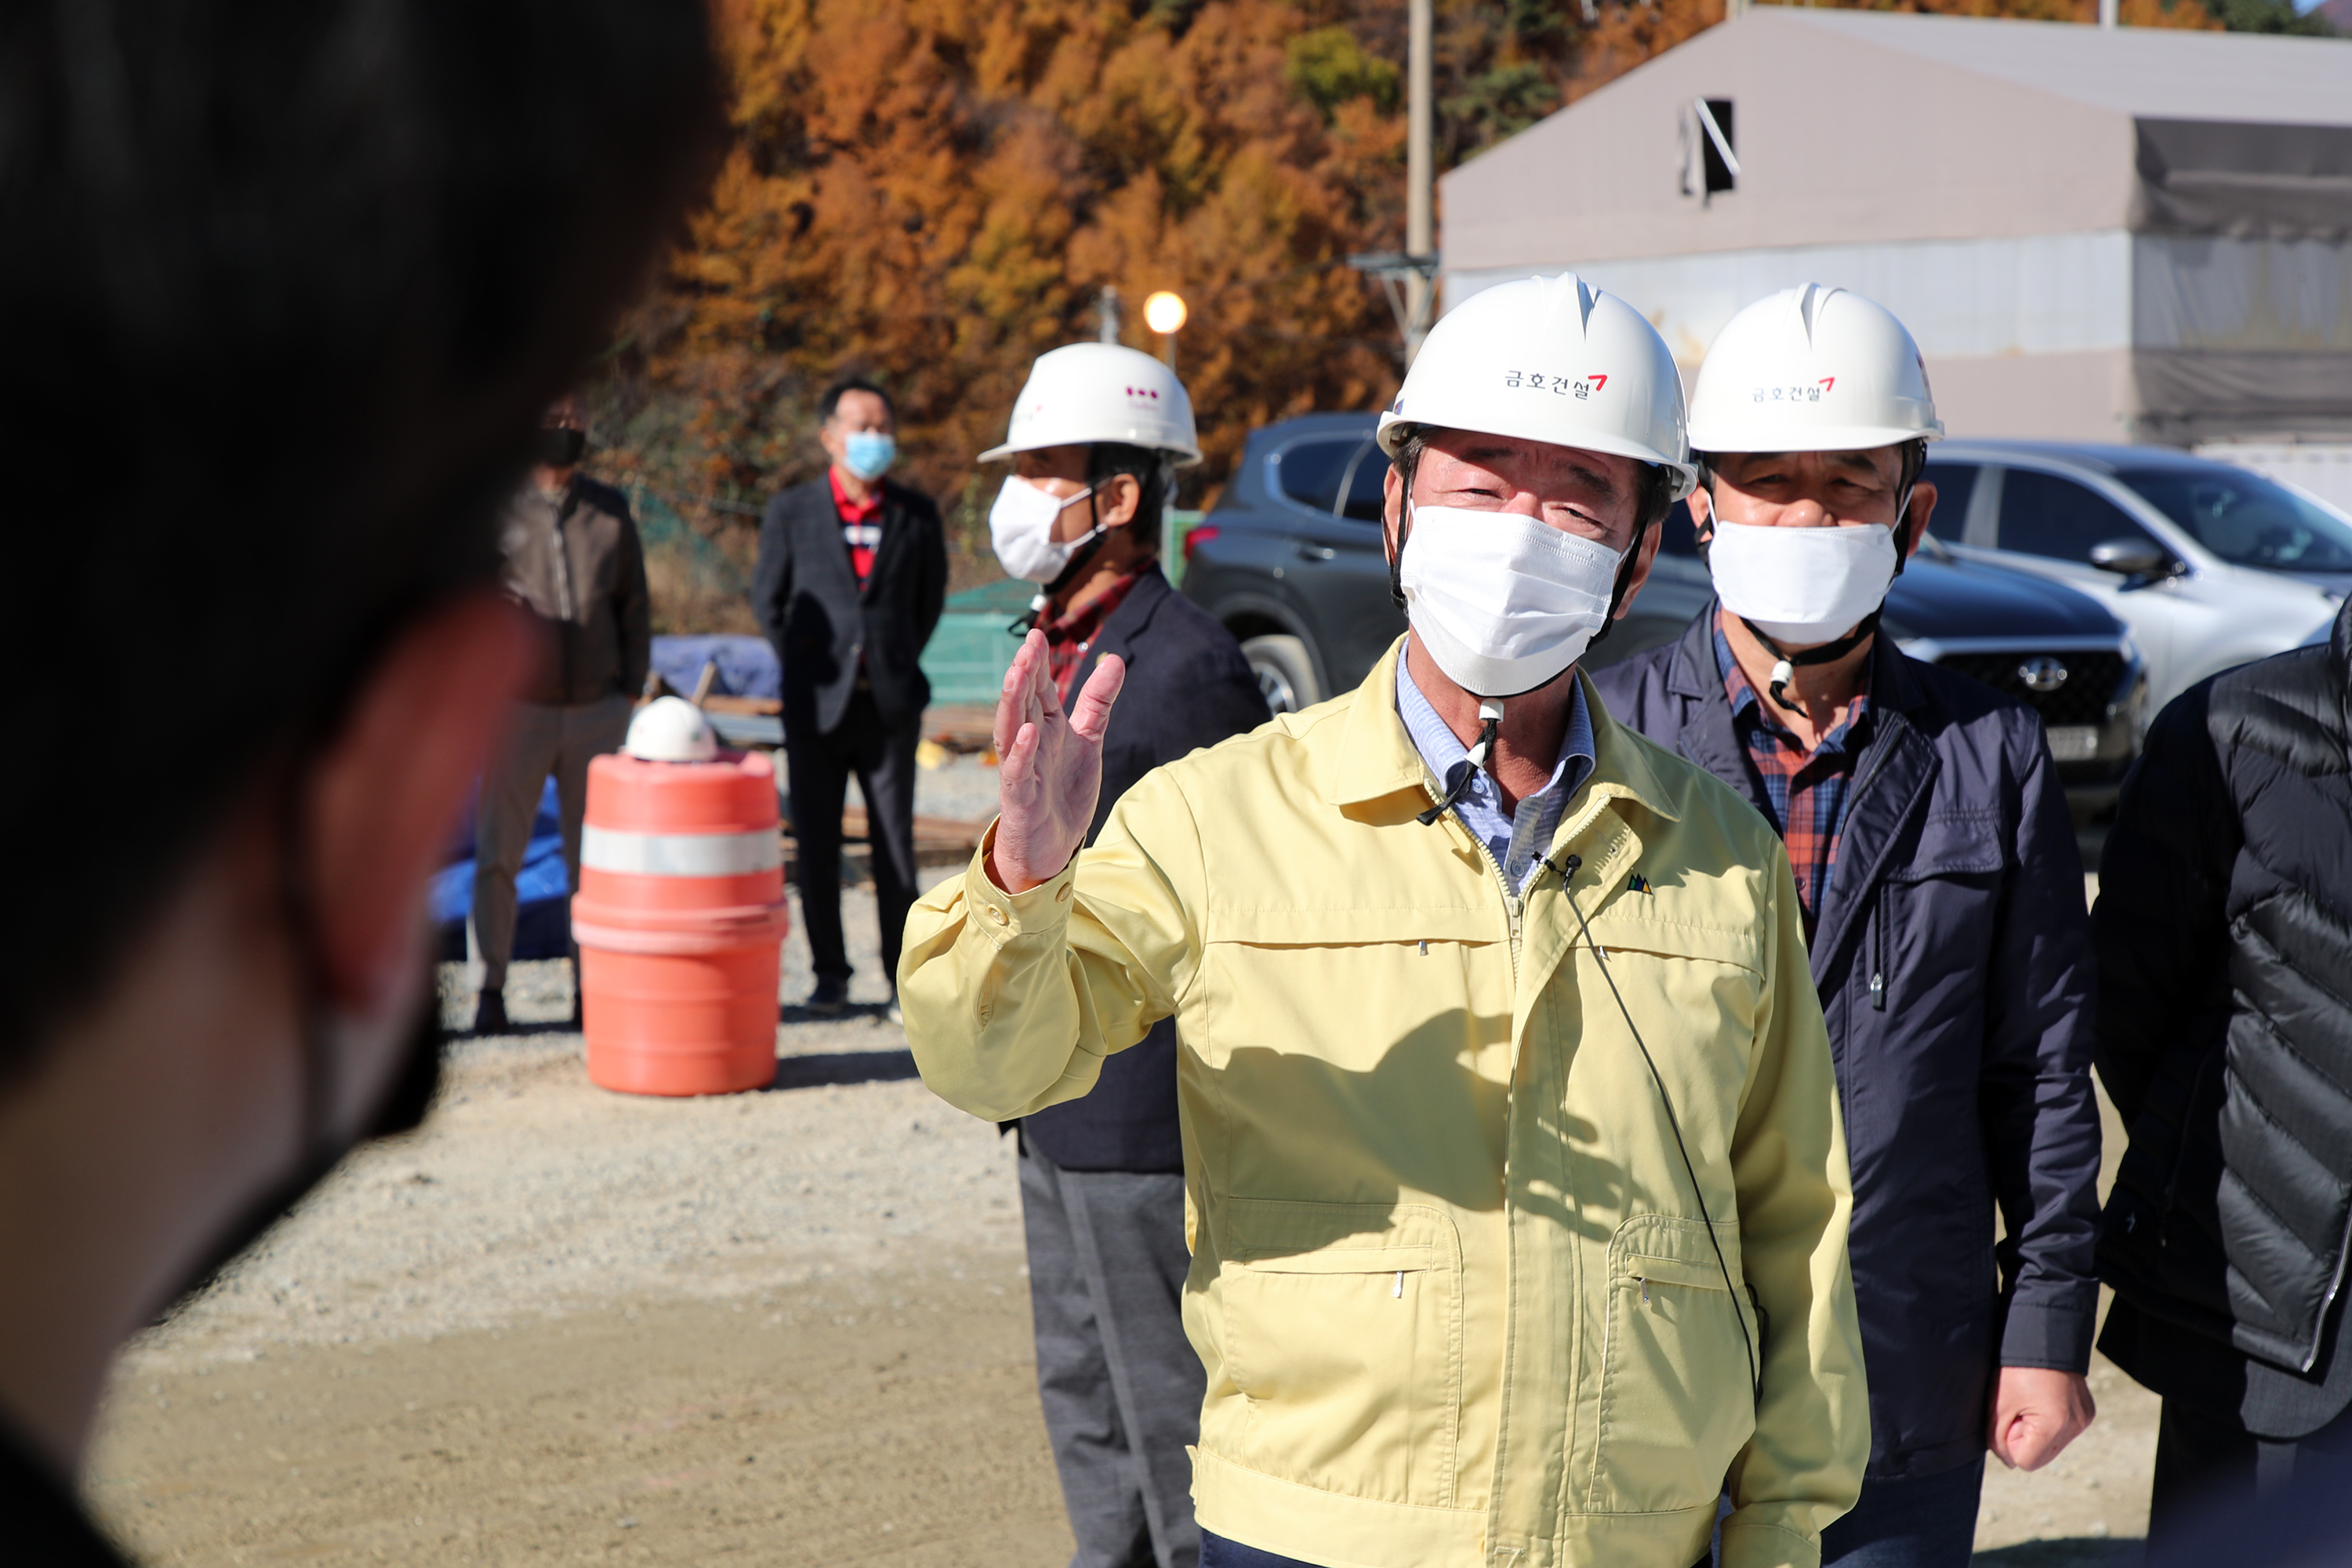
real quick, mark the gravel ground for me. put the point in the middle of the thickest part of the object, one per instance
(531, 1192)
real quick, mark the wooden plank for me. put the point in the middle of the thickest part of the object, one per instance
(939, 840)
(961, 728)
(756, 707)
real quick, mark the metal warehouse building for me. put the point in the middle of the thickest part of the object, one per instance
(2108, 234)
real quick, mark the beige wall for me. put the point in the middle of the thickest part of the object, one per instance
(1838, 139)
(2046, 397)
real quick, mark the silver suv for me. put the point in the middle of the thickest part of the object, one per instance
(2209, 565)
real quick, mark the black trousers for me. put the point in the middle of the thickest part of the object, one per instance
(2204, 1465)
(819, 766)
(1120, 1384)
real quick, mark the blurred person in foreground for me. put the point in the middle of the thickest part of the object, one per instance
(1515, 1189)
(1942, 891)
(573, 561)
(1095, 439)
(2224, 938)
(355, 249)
(853, 571)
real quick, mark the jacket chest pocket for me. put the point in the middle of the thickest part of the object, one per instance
(1677, 1396)
(1935, 918)
(1347, 1353)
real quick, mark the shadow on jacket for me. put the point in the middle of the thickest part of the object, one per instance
(2224, 931)
(808, 601)
(1187, 686)
(1953, 959)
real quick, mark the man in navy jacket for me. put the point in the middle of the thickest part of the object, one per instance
(1095, 437)
(1935, 862)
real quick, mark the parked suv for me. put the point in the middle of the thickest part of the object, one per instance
(1291, 562)
(2209, 565)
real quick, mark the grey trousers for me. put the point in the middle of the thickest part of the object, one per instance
(1119, 1382)
(544, 740)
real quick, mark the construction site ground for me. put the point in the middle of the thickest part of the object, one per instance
(561, 1325)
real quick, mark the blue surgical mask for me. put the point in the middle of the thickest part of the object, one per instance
(868, 454)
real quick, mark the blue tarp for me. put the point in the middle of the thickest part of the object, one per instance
(747, 665)
(542, 895)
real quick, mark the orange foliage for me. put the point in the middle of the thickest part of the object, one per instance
(932, 193)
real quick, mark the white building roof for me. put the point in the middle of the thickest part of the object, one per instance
(2155, 73)
(1856, 127)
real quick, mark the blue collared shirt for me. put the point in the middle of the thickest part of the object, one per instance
(1518, 841)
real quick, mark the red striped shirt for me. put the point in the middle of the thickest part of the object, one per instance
(861, 525)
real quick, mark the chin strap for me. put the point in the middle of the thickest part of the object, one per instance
(1044, 598)
(1481, 756)
(1785, 670)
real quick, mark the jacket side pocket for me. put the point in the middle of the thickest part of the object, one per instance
(1342, 1330)
(1677, 1399)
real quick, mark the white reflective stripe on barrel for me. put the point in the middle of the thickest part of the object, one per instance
(680, 854)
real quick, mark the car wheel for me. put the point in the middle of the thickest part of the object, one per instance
(1286, 675)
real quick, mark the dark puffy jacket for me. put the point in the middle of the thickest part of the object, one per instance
(2224, 933)
(1953, 960)
(1187, 686)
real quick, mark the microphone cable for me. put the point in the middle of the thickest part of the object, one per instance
(1567, 868)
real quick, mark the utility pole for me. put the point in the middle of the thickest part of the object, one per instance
(1107, 314)
(1420, 237)
(1409, 277)
(2110, 14)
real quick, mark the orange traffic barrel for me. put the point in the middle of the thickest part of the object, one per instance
(680, 915)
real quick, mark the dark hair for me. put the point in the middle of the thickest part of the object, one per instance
(1107, 459)
(1655, 494)
(830, 403)
(344, 252)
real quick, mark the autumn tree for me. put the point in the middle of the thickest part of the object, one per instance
(934, 192)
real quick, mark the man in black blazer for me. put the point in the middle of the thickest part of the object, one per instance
(852, 571)
(1095, 437)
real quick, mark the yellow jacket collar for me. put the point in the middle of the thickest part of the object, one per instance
(1376, 757)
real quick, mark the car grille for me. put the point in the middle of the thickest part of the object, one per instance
(2091, 681)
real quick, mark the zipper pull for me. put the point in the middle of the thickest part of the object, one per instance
(1878, 992)
(1397, 1294)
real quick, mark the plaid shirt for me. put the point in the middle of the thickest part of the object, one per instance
(1067, 637)
(1807, 790)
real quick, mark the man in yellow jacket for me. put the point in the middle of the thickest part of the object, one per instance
(1516, 1193)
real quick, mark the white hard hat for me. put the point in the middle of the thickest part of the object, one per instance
(1548, 359)
(1813, 369)
(1089, 392)
(670, 729)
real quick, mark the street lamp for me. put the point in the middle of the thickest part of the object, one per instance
(1164, 314)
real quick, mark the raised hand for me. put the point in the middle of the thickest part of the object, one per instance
(1049, 766)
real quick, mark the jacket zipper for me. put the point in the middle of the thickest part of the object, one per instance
(564, 601)
(1879, 752)
(1512, 905)
(2311, 1356)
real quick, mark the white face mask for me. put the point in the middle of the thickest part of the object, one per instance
(1801, 585)
(1502, 602)
(1021, 526)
